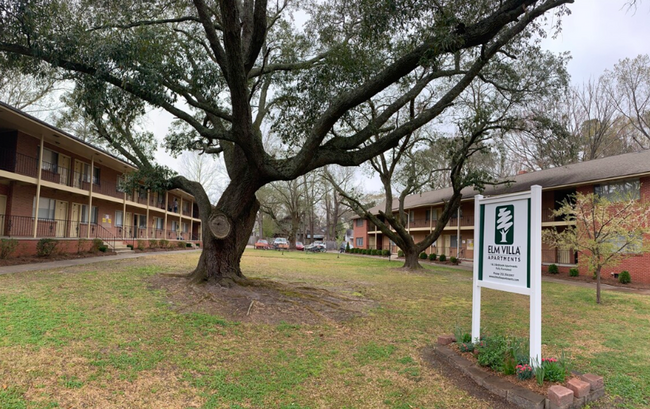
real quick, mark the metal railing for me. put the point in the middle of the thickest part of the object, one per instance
(23, 226)
(15, 162)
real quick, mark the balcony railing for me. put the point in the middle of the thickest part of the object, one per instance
(23, 226)
(15, 162)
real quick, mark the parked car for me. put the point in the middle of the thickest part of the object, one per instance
(262, 244)
(300, 246)
(316, 247)
(281, 244)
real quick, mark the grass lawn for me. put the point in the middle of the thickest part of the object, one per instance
(100, 336)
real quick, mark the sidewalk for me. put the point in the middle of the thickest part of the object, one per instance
(20, 268)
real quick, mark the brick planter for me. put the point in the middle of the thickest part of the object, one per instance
(579, 392)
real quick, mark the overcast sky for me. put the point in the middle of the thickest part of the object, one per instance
(598, 34)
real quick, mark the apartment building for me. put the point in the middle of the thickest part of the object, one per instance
(628, 172)
(55, 185)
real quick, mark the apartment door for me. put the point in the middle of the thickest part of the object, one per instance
(3, 214)
(75, 220)
(64, 169)
(78, 172)
(60, 215)
(128, 225)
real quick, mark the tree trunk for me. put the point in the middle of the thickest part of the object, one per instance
(598, 285)
(221, 256)
(411, 260)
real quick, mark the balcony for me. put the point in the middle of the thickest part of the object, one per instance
(14, 162)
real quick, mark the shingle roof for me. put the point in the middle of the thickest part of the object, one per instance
(613, 167)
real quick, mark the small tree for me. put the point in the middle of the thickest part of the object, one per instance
(605, 229)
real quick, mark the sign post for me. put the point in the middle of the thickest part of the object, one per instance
(508, 237)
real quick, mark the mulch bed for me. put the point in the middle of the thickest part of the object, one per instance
(605, 278)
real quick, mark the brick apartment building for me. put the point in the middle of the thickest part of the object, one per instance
(630, 172)
(54, 185)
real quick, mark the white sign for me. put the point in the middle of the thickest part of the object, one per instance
(504, 252)
(508, 237)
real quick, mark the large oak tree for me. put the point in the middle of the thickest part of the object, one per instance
(231, 70)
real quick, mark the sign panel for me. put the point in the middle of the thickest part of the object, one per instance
(508, 236)
(505, 243)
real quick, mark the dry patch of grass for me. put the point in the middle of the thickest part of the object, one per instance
(323, 331)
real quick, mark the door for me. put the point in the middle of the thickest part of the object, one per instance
(64, 169)
(3, 214)
(61, 215)
(78, 172)
(128, 224)
(75, 220)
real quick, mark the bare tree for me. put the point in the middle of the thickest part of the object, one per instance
(629, 89)
(206, 170)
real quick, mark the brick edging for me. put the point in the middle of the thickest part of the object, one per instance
(518, 395)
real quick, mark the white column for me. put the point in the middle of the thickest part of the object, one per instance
(476, 289)
(536, 274)
(38, 185)
(90, 195)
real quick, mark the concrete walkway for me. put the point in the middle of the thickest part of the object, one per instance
(20, 268)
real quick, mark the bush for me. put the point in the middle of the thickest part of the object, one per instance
(423, 256)
(624, 277)
(466, 347)
(524, 371)
(433, 256)
(554, 370)
(140, 245)
(130, 246)
(574, 272)
(385, 253)
(188, 244)
(97, 243)
(442, 258)
(81, 245)
(552, 269)
(373, 252)
(453, 260)
(180, 244)
(103, 248)
(163, 244)
(400, 253)
(7, 247)
(153, 244)
(46, 247)
(492, 352)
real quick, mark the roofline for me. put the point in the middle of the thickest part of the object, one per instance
(471, 198)
(63, 133)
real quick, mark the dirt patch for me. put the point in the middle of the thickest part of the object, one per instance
(465, 383)
(264, 301)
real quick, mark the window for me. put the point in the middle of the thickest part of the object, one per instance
(96, 176)
(45, 208)
(454, 241)
(184, 227)
(427, 215)
(85, 172)
(632, 248)
(174, 225)
(142, 221)
(119, 218)
(159, 223)
(411, 216)
(119, 184)
(617, 191)
(359, 242)
(434, 214)
(84, 214)
(50, 160)
(359, 223)
(186, 207)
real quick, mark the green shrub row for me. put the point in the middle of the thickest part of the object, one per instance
(7, 247)
(370, 252)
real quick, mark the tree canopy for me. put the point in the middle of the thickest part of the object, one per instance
(334, 89)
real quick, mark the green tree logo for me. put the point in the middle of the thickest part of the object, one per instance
(504, 233)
